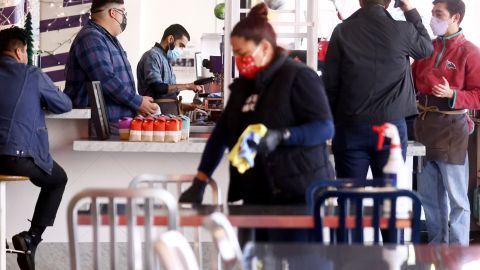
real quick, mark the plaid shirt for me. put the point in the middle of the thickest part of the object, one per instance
(96, 55)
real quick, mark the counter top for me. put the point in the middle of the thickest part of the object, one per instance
(73, 114)
(201, 129)
(192, 145)
(416, 149)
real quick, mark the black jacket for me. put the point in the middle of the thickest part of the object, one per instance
(289, 94)
(368, 77)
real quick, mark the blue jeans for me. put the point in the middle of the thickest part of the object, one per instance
(355, 149)
(441, 183)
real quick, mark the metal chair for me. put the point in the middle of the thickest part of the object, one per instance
(147, 197)
(225, 240)
(177, 181)
(354, 198)
(318, 186)
(165, 181)
(3, 218)
(175, 252)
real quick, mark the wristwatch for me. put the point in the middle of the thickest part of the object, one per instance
(285, 134)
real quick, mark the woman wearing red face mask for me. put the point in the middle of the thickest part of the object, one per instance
(289, 99)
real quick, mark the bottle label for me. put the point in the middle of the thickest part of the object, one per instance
(390, 179)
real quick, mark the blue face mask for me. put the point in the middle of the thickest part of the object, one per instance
(173, 52)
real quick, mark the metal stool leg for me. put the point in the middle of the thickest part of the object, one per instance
(3, 222)
(16, 251)
(3, 231)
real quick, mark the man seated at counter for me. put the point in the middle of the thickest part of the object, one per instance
(154, 71)
(25, 92)
(97, 55)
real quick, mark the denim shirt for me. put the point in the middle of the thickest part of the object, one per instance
(26, 91)
(96, 55)
(154, 67)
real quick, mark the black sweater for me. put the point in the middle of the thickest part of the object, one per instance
(368, 77)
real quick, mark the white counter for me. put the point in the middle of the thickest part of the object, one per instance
(192, 145)
(73, 114)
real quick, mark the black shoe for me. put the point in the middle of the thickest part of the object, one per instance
(25, 242)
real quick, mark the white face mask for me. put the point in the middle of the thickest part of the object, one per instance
(439, 26)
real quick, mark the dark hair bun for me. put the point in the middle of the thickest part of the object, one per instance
(259, 11)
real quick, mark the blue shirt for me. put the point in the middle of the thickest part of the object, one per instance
(25, 92)
(96, 55)
(154, 68)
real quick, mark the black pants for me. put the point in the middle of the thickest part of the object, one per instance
(52, 186)
(354, 149)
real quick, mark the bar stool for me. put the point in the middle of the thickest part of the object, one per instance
(3, 218)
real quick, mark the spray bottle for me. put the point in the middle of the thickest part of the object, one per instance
(395, 170)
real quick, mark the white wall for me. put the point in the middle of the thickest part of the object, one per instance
(130, 39)
(472, 21)
(196, 16)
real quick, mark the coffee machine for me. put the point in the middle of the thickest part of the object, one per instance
(209, 64)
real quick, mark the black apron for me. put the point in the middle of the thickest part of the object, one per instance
(442, 130)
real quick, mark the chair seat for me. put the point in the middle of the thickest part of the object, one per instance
(11, 178)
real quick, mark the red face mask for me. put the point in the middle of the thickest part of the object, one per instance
(246, 66)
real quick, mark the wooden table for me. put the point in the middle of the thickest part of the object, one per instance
(281, 217)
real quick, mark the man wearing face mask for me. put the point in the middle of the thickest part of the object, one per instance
(97, 55)
(154, 72)
(447, 83)
(26, 91)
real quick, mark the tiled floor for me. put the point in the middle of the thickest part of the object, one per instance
(54, 256)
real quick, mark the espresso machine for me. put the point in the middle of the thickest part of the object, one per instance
(209, 63)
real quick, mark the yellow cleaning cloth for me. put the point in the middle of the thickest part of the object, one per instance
(243, 153)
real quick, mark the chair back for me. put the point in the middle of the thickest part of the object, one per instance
(352, 199)
(175, 252)
(225, 240)
(144, 197)
(177, 181)
(315, 187)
